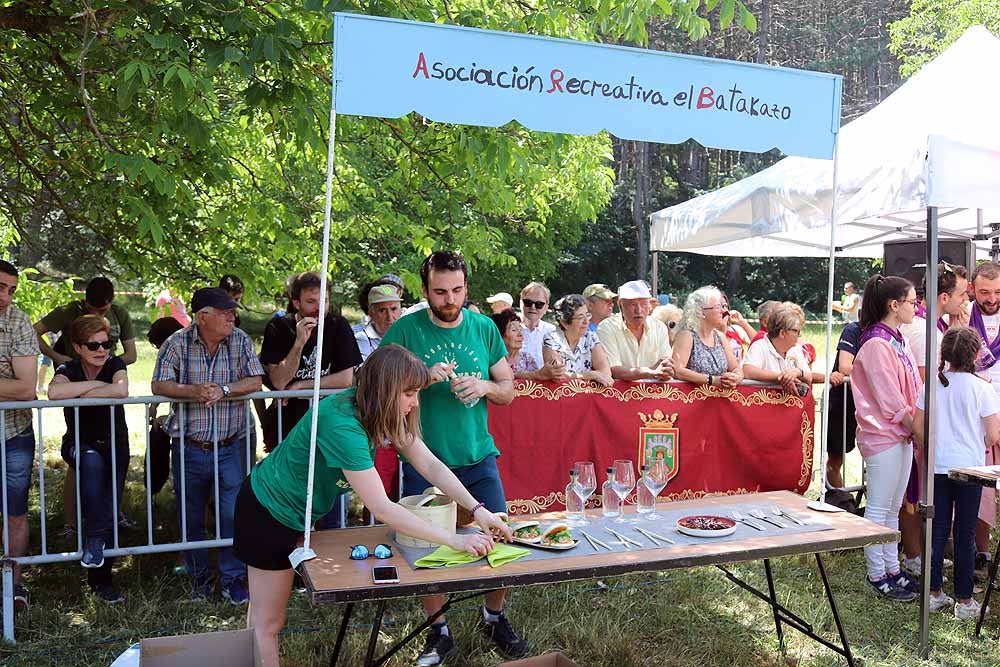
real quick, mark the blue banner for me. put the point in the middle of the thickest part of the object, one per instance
(388, 68)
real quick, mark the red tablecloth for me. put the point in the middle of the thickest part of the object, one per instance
(717, 441)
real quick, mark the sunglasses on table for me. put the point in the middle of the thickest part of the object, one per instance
(360, 552)
(94, 346)
(538, 305)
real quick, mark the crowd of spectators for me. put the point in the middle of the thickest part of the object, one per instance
(205, 359)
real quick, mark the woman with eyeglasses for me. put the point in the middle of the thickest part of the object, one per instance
(95, 374)
(573, 345)
(736, 329)
(383, 407)
(777, 358)
(885, 384)
(701, 355)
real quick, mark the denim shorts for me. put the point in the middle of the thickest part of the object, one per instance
(481, 479)
(20, 457)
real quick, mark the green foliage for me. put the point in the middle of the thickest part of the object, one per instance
(933, 25)
(189, 139)
(37, 297)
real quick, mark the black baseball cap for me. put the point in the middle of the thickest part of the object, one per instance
(216, 297)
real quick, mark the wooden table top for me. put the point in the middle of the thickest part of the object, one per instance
(980, 475)
(333, 577)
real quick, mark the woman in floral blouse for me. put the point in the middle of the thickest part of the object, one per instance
(579, 349)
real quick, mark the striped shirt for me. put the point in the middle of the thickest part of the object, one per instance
(184, 359)
(17, 339)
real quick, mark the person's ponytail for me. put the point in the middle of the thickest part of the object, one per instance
(879, 291)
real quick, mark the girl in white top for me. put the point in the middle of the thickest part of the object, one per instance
(966, 422)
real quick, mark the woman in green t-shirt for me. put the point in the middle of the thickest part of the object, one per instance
(270, 508)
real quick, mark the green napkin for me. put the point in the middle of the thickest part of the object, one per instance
(505, 553)
(445, 556)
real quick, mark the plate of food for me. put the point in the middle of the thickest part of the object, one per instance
(529, 532)
(557, 537)
(706, 525)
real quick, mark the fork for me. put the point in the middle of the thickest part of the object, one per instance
(778, 511)
(757, 514)
(738, 516)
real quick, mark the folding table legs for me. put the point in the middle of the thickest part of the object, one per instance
(774, 603)
(370, 660)
(348, 608)
(991, 585)
(783, 615)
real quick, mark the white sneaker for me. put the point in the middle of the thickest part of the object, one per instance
(912, 565)
(942, 601)
(968, 612)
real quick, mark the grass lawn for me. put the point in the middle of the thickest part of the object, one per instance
(691, 618)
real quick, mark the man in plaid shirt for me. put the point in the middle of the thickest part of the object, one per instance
(209, 361)
(18, 373)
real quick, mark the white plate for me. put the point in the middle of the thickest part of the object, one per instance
(551, 547)
(698, 532)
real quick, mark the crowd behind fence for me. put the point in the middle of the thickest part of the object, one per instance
(150, 546)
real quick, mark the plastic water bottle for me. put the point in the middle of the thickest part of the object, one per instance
(647, 502)
(574, 508)
(611, 503)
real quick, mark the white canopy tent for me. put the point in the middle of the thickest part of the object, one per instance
(925, 163)
(784, 211)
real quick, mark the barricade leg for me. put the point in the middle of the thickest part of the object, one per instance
(8, 601)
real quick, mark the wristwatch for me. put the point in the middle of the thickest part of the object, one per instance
(226, 390)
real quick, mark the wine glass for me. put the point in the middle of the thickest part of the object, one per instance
(586, 484)
(624, 483)
(654, 480)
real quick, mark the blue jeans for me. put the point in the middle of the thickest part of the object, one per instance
(963, 499)
(199, 488)
(481, 479)
(20, 457)
(95, 489)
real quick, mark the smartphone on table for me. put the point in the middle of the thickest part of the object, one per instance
(385, 574)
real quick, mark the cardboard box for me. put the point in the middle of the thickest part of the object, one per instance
(236, 648)
(554, 659)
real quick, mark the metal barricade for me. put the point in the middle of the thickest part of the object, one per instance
(249, 440)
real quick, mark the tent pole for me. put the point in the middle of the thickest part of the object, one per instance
(656, 273)
(304, 552)
(930, 363)
(821, 504)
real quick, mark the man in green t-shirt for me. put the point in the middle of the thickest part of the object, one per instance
(466, 357)
(98, 301)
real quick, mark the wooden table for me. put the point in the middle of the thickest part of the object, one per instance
(989, 478)
(333, 578)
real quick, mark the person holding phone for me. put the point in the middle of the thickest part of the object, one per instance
(382, 408)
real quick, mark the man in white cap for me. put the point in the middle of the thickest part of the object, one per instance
(383, 309)
(637, 345)
(600, 303)
(500, 302)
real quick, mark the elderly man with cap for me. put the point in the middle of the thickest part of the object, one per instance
(500, 302)
(383, 309)
(207, 363)
(600, 303)
(637, 345)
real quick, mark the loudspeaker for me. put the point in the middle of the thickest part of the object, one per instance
(908, 258)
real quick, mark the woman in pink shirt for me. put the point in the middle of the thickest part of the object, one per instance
(885, 385)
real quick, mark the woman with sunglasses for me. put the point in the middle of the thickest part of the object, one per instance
(95, 374)
(701, 355)
(382, 408)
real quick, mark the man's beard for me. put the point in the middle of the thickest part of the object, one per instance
(442, 315)
(987, 309)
